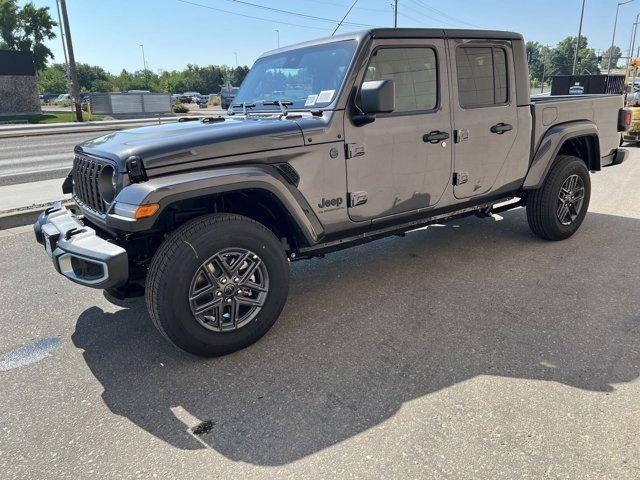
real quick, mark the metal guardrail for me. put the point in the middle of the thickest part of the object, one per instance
(130, 103)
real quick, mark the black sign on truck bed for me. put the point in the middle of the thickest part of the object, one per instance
(586, 84)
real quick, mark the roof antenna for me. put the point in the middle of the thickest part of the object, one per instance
(344, 18)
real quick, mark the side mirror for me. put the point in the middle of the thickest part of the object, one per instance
(377, 97)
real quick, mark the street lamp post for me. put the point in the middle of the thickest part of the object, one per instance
(575, 57)
(144, 60)
(278, 37)
(613, 39)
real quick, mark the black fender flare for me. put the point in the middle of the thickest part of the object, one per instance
(168, 189)
(550, 145)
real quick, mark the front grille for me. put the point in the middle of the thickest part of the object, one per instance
(86, 172)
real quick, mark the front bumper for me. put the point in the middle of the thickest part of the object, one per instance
(78, 252)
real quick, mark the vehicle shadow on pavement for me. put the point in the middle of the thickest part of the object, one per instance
(366, 330)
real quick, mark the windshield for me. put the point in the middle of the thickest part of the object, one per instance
(308, 77)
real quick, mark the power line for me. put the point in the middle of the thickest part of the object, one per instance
(424, 15)
(343, 18)
(251, 16)
(297, 14)
(443, 14)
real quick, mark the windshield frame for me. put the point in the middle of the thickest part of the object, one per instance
(259, 108)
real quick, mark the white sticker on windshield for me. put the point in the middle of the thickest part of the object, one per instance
(311, 100)
(325, 96)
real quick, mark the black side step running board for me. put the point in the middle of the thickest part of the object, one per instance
(503, 205)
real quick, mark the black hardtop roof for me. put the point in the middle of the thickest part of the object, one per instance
(441, 33)
(406, 33)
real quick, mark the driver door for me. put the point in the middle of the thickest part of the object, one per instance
(391, 167)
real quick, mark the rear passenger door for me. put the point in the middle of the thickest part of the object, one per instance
(484, 113)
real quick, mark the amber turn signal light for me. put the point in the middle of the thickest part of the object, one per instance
(144, 211)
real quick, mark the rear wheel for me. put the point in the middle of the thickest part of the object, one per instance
(556, 210)
(217, 284)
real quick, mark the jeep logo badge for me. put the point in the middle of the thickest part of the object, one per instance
(333, 202)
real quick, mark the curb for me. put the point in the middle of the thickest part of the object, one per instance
(25, 216)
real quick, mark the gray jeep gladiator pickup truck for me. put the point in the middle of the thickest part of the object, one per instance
(328, 144)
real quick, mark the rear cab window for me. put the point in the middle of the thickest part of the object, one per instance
(482, 76)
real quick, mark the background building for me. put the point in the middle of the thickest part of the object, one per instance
(18, 88)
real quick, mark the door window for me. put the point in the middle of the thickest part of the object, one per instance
(482, 76)
(414, 74)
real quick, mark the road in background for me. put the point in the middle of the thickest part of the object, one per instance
(466, 350)
(42, 157)
(30, 159)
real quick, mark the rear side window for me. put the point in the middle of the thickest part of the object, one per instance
(414, 74)
(482, 76)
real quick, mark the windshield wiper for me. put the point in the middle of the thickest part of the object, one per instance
(245, 106)
(283, 104)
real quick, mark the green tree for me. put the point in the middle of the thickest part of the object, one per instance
(562, 58)
(26, 29)
(615, 54)
(53, 79)
(92, 78)
(238, 75)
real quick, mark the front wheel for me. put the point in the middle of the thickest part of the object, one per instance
(556, 210)
(217, 284)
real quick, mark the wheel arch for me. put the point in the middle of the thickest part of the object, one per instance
(578, 139)
(258, 192)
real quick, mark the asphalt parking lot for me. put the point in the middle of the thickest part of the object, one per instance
(469, 350)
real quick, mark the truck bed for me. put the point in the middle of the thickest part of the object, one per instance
(547, 111)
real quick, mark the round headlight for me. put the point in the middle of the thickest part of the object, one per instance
(108, 183)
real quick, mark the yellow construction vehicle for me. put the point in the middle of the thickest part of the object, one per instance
(633, 104)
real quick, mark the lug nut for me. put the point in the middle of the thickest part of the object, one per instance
(236, 279)
(219, 294)
(228, 300)
(224, 280)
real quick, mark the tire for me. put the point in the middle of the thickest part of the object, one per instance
(179, 284)
(544, 205)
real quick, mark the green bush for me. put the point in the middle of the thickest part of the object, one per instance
(179, 107)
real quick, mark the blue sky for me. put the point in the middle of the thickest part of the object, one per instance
(174, 33)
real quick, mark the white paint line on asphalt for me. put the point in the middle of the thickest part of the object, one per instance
(27, 354)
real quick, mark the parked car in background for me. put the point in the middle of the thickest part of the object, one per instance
(190, 97)
(62, 97)
(227, 96)
(203, 101)
(48, 97)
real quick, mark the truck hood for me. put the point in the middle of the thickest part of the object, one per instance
(181, 142)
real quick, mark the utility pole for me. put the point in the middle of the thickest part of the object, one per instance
(73, 74)
(236, 54)
(278, 37)
(575, 57)
(395, 13)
